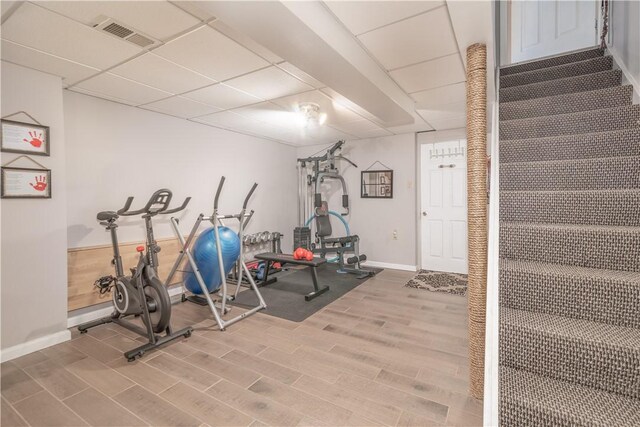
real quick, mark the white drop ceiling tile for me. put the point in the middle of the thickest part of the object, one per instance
(301, 75)
(157, 72)
(431, 74)
(269, 83)
(355, 127)
(222, 96)
(336, 113)
(225, 119)
(361, 16)
(70, 72)
(432, 98)
(445, 116)
(270, 114)
(363, 129)
(181, 107)
(413, 40)
(158, 19)
(57, 35)
(101, 95)
(324, 133)
(211, 53)
(237, 122)
(121, 88)
(456, 122)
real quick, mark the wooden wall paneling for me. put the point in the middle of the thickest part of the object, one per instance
(86, 265)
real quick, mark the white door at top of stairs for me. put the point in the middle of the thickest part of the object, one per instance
(443, 213)
(548, 27)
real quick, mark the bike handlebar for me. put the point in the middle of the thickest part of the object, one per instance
(158, 204)
(179, 208)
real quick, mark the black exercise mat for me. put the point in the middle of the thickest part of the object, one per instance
(285, 298)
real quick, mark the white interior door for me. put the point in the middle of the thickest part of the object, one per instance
(549, 27)
(444, 206)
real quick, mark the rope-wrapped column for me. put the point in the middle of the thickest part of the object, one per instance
(477, 210)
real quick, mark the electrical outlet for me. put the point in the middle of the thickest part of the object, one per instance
(395, 234)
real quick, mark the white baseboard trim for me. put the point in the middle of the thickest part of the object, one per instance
(625, 71)
(404, 267)
(34, 345)
(79, 319)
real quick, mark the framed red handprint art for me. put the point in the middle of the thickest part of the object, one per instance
(25, 183)
(24, 138)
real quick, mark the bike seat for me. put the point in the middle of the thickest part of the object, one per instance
(107, 216)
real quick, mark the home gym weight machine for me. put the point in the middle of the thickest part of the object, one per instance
(312, 172)
(142, 294)
(216, 219)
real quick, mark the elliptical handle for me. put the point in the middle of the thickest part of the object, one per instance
(246, 200)
(218, 191)
(178, 209)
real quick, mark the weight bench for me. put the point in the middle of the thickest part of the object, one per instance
(288, 259)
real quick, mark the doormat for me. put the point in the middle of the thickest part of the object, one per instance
(438, 281)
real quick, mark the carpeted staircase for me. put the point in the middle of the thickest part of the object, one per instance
(569, 244)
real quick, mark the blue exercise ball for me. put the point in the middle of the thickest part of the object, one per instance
(205, 254)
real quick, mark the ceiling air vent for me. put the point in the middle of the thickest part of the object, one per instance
(118, 30)
(124, 32)
(140, 40)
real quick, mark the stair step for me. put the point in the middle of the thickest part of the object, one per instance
(605, 296)
(606, 247)
(567, 103)
(551, 62)
(578, 351)
(583, 174)
(583, 83)
(590, 207)
(606, 119)
(624, 142)
(587, 66)
(528, 399)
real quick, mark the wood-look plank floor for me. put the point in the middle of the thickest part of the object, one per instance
(383, 354)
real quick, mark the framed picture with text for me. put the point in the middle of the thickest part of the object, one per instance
(25, 183)
(24, 138)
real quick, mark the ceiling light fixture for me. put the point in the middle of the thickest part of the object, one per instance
(309, 114)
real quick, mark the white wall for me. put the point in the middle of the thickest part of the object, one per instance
(375, 220)
(34, 232)
(115, 151)
(624, 24)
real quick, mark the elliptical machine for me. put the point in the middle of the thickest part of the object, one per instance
(142, 294)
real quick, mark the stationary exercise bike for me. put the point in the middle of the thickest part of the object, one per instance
(142, 294)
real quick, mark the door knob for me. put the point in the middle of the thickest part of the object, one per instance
(424, 213)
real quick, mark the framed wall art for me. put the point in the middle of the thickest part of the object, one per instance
(376, 184)
(25, 183)
(24, 138)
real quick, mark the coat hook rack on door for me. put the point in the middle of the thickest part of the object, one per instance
(435, 153)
